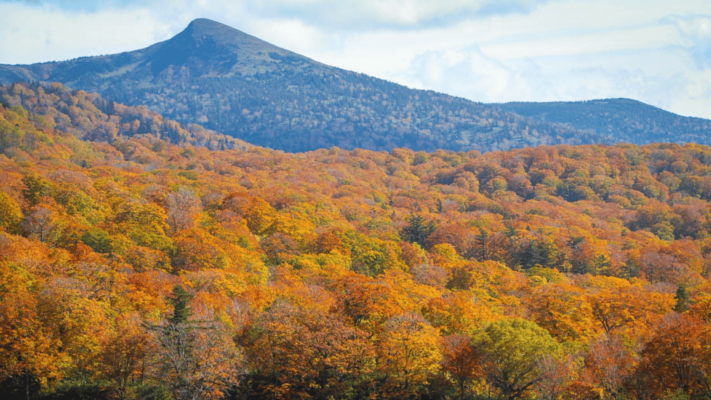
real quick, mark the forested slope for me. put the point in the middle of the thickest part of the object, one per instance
(134, 268)
(89, 116)
(236, 84)
(627, 120)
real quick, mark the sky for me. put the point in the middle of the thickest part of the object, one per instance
(655, 51)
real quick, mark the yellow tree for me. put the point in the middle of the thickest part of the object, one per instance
(620, 307)
(458, 313)
(408, 354)
(28, 347)
(563, 310)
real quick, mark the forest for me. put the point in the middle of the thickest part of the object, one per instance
(627, 120)
(135, 264)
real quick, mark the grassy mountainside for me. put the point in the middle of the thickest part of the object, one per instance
(134, 268)
(236, 84)
(627, 120)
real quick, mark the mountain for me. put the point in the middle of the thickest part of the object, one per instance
(627, 120)
(234, 83)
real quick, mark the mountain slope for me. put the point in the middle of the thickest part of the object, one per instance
(229, 81)
(628, 120)
(236, 84)
(88, 116)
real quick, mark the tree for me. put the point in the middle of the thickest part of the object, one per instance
(461, 362)
(682, 299)
(609, 364)
(557, 374)
(512, 351)
(619, 307)
(259, 215)
(279, 248)
(458, 313)
(28, 348)
(127, 354)
(181, 305)
(408, 354)
(198, 359)
(678, 356)
(196, 250)
(417, 230)
(182, 207)
(39, 224)
(305, 351)
(10, 213)
(563, 310)
(35, 188)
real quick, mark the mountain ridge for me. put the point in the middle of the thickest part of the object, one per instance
(633, 120)
(237, 84)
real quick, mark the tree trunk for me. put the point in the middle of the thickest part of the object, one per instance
(27, 385)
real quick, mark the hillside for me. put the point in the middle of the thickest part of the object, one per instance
(88, 116)
(230, 82)
(138, 269)
(627, 120)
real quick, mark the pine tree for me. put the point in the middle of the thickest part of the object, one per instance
(181, 305)
(417, 230)
(682, 299)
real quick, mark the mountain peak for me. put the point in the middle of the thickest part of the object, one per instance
(211, 48)
(206, 22)
(203, 27)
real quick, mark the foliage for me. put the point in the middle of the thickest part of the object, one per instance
(550, 273)
(512, 351)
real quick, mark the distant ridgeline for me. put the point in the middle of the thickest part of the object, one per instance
(627, 120)
(234, 83)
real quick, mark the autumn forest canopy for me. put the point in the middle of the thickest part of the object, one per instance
(144, 259)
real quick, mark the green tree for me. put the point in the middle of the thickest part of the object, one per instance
(181, 305)
(35, 188)
(417, 230)
(511, 352)
(682, 299)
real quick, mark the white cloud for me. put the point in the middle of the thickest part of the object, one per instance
(36, 34)
(358, 15)
(696, 32)
(467, 71)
